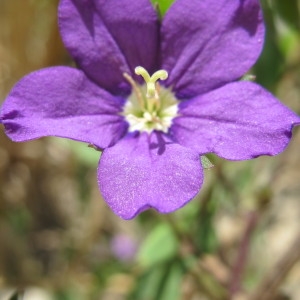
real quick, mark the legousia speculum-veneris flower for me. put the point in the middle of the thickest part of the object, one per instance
(154, 95)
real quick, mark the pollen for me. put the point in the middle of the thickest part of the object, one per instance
(150, 106)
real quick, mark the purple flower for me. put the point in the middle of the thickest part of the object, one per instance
(124, 247)
(152, 135)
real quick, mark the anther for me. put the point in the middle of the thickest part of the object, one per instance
(137, 91)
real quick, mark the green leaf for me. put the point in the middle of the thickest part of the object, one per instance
(289, 12)
(172, 284)
(159, 246)
(148, 284)
(160, 282)
(205, 238)
(269, 66)
(288, 42)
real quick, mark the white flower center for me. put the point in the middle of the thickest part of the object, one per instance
(150, 106)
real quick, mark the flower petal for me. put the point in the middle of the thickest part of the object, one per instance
(238, 121)
(61, 101)
(148, 171)
(208, 43)
(108, 38)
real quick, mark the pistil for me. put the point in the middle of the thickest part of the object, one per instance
(151, 80)
(149, 107)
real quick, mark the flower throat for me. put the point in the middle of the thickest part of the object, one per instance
(150, 106)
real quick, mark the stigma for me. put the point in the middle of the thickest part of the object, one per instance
(151, 80)
(150, 106)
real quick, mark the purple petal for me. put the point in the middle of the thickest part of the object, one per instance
(208, 43)
(109, 37)
(238, 121)
(148, 171)
(62, 102)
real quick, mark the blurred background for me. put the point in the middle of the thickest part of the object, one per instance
(239, 239)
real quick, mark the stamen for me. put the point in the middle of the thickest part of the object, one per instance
(136, 89)
(151, 80)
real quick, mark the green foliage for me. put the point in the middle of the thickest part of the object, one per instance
(159, 246)
(205, 237)
(289, 12)
(75, 261)
(269, 66)
(68, 294)
(20, 221)
(162, 282)
(278, 43)
(161, 272)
